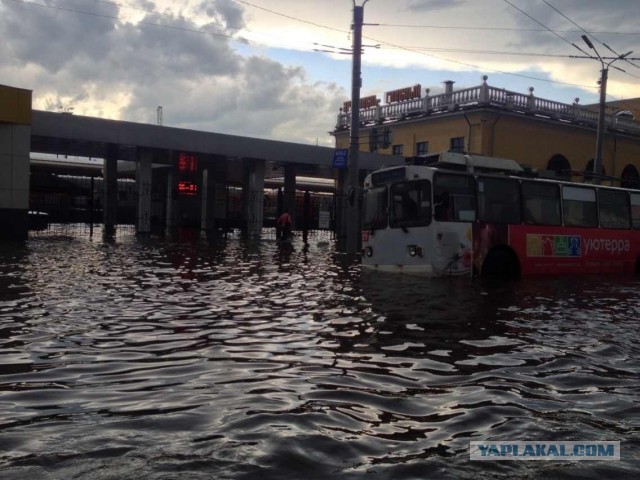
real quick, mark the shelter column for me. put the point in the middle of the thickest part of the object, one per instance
(253, 196)
(144, 181)
(172, 199)
(110, 192)
(15, 144)
(207, 219)
(290, 190)
(214, 196)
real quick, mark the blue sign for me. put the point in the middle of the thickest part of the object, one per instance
(340, 158)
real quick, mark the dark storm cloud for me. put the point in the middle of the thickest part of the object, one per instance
(228, 12)
(52, 37)
(102, 63)
(259, 101)
(100, 48)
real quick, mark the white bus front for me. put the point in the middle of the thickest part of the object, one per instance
(417, 220)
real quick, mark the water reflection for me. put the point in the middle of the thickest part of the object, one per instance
(233, 359)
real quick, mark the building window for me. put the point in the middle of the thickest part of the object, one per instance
(398, 150)
(457, 145)
(422, 148)
(630, 177)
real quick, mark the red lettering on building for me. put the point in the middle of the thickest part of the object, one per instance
(402, 94)
(365, 102)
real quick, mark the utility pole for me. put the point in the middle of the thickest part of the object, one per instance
(604, 75)
(353, 217)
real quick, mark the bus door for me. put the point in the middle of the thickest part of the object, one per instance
(454, 210)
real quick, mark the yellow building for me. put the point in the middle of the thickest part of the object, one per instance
(542, 134)
(15, 142)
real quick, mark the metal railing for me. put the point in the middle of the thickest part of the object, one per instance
(485, 95)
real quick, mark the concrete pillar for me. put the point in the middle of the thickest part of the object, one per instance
(144, 181)
(253, 196)
(207, 211)
(110, 192)
(289, 197)
(172, 200)
(306, 216)
(15, 145)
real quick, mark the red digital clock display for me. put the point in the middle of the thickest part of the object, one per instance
(187, 163)
(189, 189)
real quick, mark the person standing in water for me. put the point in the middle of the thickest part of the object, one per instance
(283, 226)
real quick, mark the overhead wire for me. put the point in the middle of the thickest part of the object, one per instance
(399, 47)
(476, 67)
(594, 37)
(498, 29)
(556, 34)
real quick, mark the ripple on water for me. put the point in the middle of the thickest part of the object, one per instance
(232, 360)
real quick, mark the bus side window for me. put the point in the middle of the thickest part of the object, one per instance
(635, 210)
(499, 200)
(454, 197)
(613, 207)
(579, 206)
(541, 203)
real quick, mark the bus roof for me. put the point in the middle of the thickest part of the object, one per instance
(468, 162)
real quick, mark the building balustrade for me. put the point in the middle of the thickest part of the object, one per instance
(484, 95)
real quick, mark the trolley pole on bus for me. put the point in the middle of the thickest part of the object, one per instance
(604, 75)
(353, 208)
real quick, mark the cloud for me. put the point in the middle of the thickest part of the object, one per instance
(227, 12)
(210, 63)
(113, 65)
(432, 5)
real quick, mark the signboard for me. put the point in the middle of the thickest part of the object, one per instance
(340, 158)
(402, 94)
(324, 220)
(365, 102)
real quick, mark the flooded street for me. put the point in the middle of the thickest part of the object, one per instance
(158, 360)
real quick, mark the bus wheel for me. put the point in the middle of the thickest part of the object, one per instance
(501, 264)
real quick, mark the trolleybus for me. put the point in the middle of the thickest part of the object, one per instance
(457, 214)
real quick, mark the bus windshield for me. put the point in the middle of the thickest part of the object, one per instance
(376, 207)
(410, 204)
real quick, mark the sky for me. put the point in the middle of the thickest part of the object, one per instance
(272, 68)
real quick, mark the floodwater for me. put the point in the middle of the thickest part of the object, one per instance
(154, 359)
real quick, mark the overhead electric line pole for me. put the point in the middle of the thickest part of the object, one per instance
(604, 75)
(353, 217)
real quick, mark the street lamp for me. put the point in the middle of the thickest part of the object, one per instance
(597, 162)
(353, 224)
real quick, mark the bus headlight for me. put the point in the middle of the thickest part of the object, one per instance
(415, 250)
(367, 251)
